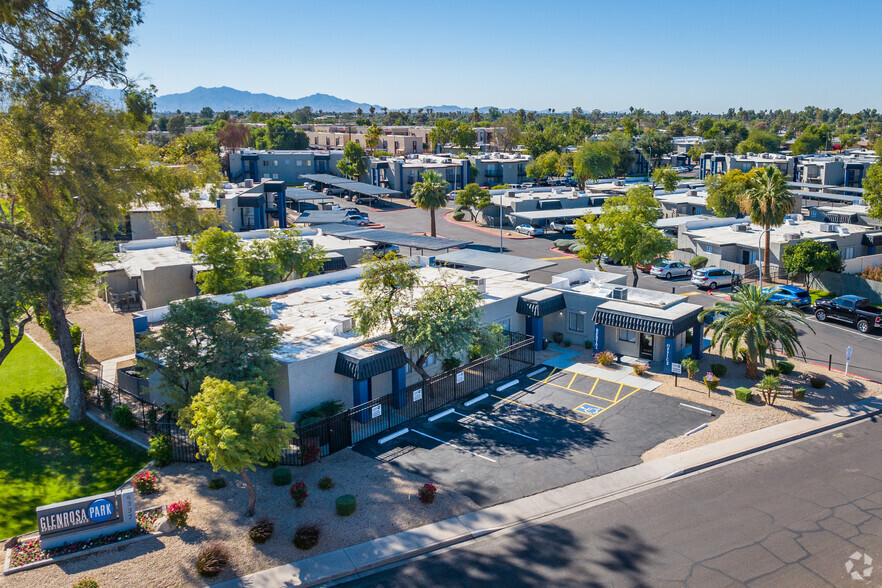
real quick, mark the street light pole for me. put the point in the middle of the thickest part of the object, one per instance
(500, 223)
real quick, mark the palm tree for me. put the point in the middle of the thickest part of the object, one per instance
(372, 137)
(430, 194)
(751, 322)
(767, 201)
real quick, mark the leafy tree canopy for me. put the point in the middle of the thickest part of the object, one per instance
(352, 165)
(724, 191)
(811, 257)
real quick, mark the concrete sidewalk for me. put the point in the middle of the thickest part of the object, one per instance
(365, 557)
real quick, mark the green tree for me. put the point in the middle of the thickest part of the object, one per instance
(624, 231)
(177, 125)
(546, 165)
(444, 320)
(256, 265)
(279, 134)
(220, 251)
(846, 140)
(873, 188)
(465, 137)
(206, 113)
(470, 197)
(202, 338)
(372, 137)
(352, 165)
(666, 177)
(625, 150)
(295, 257)
(695, 152)
(595, 160)
(430, 194)
(21, 287)
(750, 321)
(810, 258)
(507, 133)
(236, 428)
(655, 145)
(759, 141)
(442, 133)
(767, 201)
(724, 191)
(541, 140)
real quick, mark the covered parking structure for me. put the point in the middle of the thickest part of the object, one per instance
(360, 190)
(477, 259)
(301, 195)
(419, 242)
(321, 217)
(544, 217)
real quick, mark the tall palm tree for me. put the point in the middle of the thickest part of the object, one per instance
(767, 201)
(750, 321)
(430, 194)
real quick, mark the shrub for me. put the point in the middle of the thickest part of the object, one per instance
(743, 394)
(799, 393)
(85, 583)
(769, 386)
(449, 363)
(427, 493)
(106, 400)
(145, 482)
(564, 244)
(45, 321)
(817, 382)
(217, 483)
(589, 344)
(690, 365)
(281, 477)
(345, 505)
(567, 343)
(718, 369)
(786, 367)
(873, 272)
(458, 215)
(298, 493)
(640, 368)
(557, 338)
(605, 358)
(212, 559)
(152, 417)
(326, 483)
(772, 372)
(698, 262)
(306, 536)
(326, 409)
(309, 451)
(261, 531)
(178, 512)
(712, 382)
(161, 450)
(122, 416)
(76, 334)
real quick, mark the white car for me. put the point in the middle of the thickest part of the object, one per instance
(563, 227)
(670, 269)
(529, 230)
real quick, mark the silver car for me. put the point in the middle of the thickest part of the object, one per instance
(671, 269)
(711, 278)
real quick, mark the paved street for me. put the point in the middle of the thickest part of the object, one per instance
(792, 516)
(829, 338)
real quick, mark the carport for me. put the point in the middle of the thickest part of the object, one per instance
(419, 242)
(477, 259)
(358, 188)
(321, 217)
(301, 195)
(543, 217)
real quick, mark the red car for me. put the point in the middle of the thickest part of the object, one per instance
(646, 268)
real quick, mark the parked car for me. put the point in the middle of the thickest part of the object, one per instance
(850, 309)
(527, 185)
(309, 185)
(607, 260)
(647, 267)
(529, 230)
(671, 269)
(712, 278)
(563, 227)
(789, 296)
(381, 250)
(333, 191)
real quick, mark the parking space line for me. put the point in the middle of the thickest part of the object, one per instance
(573, 379)
(619, 391)
(492, 425)
(540, 410)
(452, 445)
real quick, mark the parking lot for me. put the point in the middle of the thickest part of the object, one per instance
(550, 429)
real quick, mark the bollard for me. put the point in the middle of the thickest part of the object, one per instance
(830, 363)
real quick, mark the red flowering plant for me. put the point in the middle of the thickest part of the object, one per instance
(145, 482)
(178, 512)
(299, 493)
(427, 493)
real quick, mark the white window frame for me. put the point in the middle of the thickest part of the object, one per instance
(628, 333)
(579, 318)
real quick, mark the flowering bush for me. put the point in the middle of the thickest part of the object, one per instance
(309, 451)
(711, 381)
(145, 518)
(605, 358)
(640, 368)
(178, 512)
(145, 483)
(86, 583)
(427, 493)
(298, 493)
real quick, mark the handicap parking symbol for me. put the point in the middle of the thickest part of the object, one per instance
(588, 410)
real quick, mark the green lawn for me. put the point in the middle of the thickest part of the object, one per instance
(46, 458)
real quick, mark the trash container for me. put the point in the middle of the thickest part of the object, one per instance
(544, 343)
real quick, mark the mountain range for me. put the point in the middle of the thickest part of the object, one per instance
(226, 98)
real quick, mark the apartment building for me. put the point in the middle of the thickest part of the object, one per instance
(847, 170)
(401, 173)
(721, 163)
(286, 166)
(397, 140)
(495, 169)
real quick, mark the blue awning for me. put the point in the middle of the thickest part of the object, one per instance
(370, 359)
(541, 303)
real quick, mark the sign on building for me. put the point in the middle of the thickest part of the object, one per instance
(85, 518)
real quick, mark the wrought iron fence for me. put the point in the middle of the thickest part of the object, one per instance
(106, 396)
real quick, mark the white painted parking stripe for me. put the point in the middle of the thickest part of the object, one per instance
(476, 399)
(452, 445)
(488, 423)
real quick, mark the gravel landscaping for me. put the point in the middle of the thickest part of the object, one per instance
(387, 502)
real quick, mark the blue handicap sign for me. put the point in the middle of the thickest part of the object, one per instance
(588, 409)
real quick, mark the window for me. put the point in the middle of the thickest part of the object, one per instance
(265, 162)
(337, 141)
(848, 253)
(275, 176)
(430, 361)
(385, 144)
(505, 324)
(287, 162)
(299, 163)
(576, 322)
(626, 335)
(276, 162)
(396, 145)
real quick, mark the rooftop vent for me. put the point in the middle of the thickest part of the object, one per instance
(478, 282)
(343, 324)
(620, 293)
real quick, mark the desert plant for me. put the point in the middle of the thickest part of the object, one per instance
(743, 394)
(345, 505)
(567, 343)
(310, 451)
(299, 493)
(212, 559)
(449, 363)
(458, 215)
(145, 483)
(817, 382)
(772, 372)
(605, 358)
(799, 393)
(306, 536)
(261, 531)
(711, 382)
(589, 344)
(179, 512)
(690, 364)
(640, 368)
(281, 476)
(85, 583)
(427, 493)
(718, 369)
(161, 450)
(557, 337)
(217, 483)
(698, 262)
(769, 386)
(326, 483)
(106, 400)
(122, 416)
(786, 367)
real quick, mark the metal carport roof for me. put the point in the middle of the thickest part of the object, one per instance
(304, 194)
(561, 213)
(323, 178)
(497, 261)
(393, 237)
(318, 217)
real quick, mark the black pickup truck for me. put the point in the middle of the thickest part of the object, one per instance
(850, 309)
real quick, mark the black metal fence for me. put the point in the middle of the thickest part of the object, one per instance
(106, 396)
(332, 434)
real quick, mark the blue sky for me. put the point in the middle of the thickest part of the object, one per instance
(701, 56)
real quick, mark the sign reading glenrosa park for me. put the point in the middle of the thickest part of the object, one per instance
(85, 518)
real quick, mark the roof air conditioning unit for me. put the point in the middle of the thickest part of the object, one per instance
(619, 182)
(828, 228)
(344, 324)
(249, 183)
(620, 293)
(843, 230)
(478, 282)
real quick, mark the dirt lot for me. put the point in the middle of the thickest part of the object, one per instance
(387, 504)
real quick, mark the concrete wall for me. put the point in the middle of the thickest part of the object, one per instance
(858, 264)
(166, 284)
(850, 284)
(145, 225)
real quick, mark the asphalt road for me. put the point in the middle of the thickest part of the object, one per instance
(792, 516)
(828, 338)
